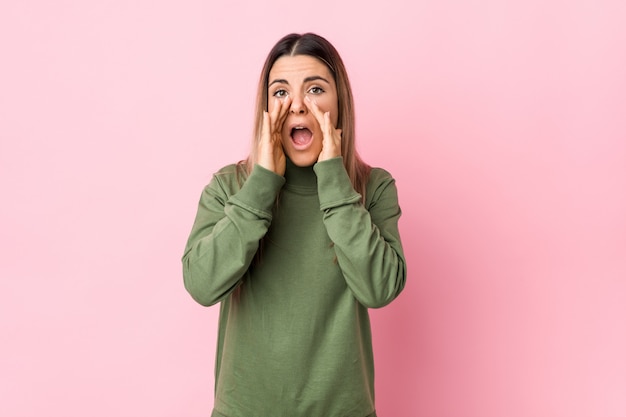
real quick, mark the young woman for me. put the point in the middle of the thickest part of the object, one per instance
(296, 243)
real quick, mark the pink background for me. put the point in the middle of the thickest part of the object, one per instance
(503, 122)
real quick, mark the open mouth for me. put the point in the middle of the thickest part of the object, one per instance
(301, 136)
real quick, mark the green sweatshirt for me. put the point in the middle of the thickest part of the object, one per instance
(294, 333)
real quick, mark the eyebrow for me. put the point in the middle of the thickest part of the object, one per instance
(306, 80)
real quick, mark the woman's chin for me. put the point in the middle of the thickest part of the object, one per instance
(302, 159)
(305, 156)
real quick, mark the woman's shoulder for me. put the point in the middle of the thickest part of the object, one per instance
(380, 182)
(232, 170)
(230, 177)
(377, 177)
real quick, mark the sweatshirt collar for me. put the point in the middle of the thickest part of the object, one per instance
(300, 177)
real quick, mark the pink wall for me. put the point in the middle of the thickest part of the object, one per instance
(503, 122)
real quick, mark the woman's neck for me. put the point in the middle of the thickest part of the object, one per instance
(300, 176)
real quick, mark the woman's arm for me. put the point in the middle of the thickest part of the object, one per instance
(366, 241)
(226, 233)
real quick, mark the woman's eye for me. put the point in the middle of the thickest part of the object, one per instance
(316, 90)
(280, 93)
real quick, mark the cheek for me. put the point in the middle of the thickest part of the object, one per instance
(333, 108)
(271, 102)
(334, 116)
(330, 106)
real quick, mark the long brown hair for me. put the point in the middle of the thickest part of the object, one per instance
(316, 46)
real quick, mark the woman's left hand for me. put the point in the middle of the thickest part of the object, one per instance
(331, 141)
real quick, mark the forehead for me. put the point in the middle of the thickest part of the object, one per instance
(298, 67)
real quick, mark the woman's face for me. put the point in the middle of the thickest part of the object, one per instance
(297, 77)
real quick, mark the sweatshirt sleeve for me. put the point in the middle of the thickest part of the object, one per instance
(226, 232)
(366, 240)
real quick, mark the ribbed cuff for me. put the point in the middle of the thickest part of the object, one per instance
(258, 193)
(333, 184)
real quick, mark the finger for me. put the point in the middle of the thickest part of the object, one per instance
(317, 113)
(275, 108)
(284, 111)
(279, 120)
(279, 114)
(327, 121)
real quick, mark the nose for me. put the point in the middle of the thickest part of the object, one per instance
(297, 105)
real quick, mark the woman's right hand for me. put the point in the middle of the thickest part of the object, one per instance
(270, 146)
